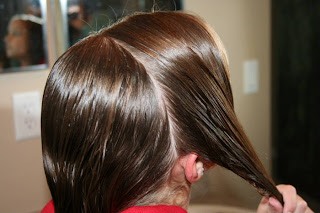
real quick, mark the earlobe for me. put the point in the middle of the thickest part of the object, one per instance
(193, 169)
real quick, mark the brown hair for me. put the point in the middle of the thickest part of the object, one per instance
(121, 105)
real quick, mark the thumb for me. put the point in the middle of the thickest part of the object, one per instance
(264, 205)
(275, 205)
(269, 205)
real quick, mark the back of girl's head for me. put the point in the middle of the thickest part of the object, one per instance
(123, 104)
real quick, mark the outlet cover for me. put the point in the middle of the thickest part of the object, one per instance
(251, 76)
(26, 114)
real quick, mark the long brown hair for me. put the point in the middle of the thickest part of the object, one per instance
(121, 105)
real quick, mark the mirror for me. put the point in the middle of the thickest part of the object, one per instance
(85, 16)
(23, 43)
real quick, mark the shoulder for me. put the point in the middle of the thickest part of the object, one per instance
(49, 208)
(155, 209)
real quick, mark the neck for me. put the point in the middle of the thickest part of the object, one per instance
(172, 194)
(179, 195)
(176, 190)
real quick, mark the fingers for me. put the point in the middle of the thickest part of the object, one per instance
(275, 205)
(309, 210)
(289, 194)
(269, 205)
(302, 205)
(293, 203)
(264, 205)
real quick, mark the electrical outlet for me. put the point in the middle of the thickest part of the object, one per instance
(26, 114)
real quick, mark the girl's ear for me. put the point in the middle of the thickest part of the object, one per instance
(193, 169)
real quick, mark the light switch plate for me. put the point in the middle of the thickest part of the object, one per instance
(251, 76)
(26, 114)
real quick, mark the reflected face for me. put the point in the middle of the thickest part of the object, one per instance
(17, 45)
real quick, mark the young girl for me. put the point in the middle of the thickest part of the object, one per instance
(24, 41)
(136, 113)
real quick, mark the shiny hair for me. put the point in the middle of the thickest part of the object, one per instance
(122, 105)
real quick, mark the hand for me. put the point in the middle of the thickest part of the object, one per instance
(293, 203)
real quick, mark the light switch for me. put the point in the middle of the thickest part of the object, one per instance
(26, 114)
(251, 76)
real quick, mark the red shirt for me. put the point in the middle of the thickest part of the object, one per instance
(49, 208)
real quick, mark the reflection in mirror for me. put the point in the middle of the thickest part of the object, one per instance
(85, 16)
(22, 35)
